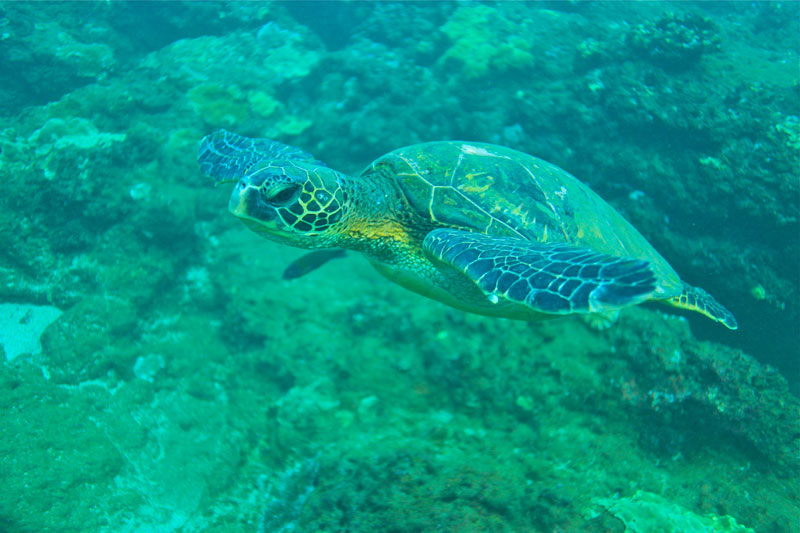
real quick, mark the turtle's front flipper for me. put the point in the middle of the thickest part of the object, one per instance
(227, 156)
(696, 299)
(311, 261)
(550, 278)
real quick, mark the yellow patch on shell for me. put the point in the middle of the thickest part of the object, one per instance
(477, 183)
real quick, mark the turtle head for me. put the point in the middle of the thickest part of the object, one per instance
(291, 202)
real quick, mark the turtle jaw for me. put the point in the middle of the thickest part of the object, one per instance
(246, 204)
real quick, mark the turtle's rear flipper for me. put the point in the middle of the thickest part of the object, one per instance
(696, 299)
(226, 156)
(550, 278)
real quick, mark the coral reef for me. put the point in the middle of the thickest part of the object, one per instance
(483, 39)
(187, 387)
(287, 496)
(678, 379)
(675, 41)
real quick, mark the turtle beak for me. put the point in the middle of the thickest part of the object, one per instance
(243, 194)
(246, 201)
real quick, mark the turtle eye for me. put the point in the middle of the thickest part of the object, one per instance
(280, 195)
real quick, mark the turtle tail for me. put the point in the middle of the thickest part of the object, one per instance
(696, 299)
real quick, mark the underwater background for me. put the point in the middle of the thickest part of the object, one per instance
(160, 375)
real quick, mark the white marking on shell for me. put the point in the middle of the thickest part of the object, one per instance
(476, 150)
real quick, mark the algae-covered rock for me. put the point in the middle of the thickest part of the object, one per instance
(419, 38)
(402, 484)
(86, 343)
(54, 456)
(175, 454)
(293, 125)
(290, 61)
(591, 53)
(676, 41)
(76, 132)
(48, 56)
(219, 105)
(645, 512)
(682, 383)
(262, 103)
(89, 60)
(255, 60)
(73, 141)
(226, 106)
(483, 40)
(234, 81)
(789, 130)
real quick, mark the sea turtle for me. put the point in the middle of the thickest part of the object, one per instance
(480, 227)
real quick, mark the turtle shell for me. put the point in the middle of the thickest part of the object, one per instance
(499, 191)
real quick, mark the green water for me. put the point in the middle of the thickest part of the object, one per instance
(160, 375)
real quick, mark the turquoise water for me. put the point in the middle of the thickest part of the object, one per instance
(161, 375)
